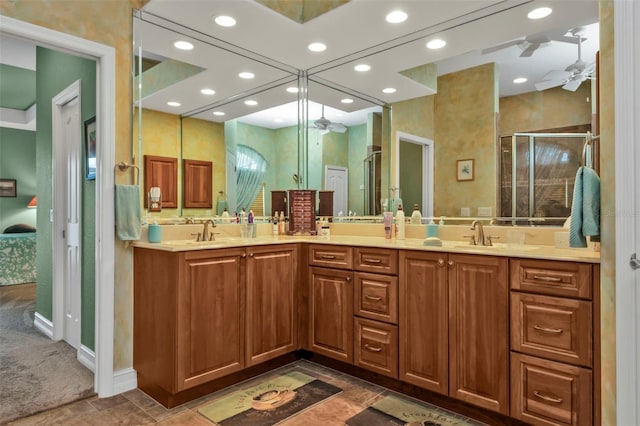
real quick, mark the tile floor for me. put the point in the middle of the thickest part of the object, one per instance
(136, 408)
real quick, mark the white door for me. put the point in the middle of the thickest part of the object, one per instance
(67, 179)
(335, 179)
(427, 169)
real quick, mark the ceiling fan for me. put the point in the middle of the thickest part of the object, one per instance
(531, 43)
(573, 75)
(325, 125)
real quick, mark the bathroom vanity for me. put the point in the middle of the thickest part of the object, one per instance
(511, 331)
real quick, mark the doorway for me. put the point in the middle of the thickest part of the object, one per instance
(414, 169)
(336, 180)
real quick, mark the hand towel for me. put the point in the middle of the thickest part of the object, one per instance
(128, 216)
(585, 208)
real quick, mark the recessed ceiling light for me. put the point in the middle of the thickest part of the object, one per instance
(436, 43)
(396, 17)
(292, 89)
(218, 113)
(173, 103)
(317, 47)
(539, 13)
(208, 91)
(389, 90)
(246, 75)
(183, 45)
(347, 101)
(224, 21)
(278, 120)
(520, 80)
(251, 102)
(362, 68)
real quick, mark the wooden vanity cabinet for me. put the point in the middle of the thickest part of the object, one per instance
(453, 326)
(272, 291)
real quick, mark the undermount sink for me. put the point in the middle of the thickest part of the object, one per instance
(495, 246)
(192, 243)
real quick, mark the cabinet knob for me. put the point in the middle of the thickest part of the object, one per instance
(243, 255)
(440, 262)
(250, 254)
(451, 263)
(348, 278)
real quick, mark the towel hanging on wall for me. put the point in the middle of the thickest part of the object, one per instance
(128, 214)
(585, 208)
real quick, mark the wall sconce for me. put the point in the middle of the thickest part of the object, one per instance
(33, 203)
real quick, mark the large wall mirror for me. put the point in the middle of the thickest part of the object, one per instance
(326, 124)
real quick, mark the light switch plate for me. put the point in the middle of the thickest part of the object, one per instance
(484, 211)
(465, 212)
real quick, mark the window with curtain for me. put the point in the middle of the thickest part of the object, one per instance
(251, 168)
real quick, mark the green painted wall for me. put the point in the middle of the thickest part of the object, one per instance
(55, 72)
(18, 87)
(357, 152)
(410, 173)
(18, 161)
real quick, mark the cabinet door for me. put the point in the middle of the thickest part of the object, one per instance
(210, 316)
(478, 331)
(331, 313)
(424, 349)
(271, 309)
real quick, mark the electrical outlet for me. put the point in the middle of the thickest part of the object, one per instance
(484, 211)
(362, 186)
(465, 212)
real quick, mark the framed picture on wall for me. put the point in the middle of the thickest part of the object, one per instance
(8, 188)
(90, 142)
(465, 170)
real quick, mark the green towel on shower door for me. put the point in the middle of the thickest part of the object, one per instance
(585, 208)
(128, 215)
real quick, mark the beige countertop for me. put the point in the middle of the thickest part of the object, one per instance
(548, 252)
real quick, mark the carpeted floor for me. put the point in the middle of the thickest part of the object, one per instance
(36, 373)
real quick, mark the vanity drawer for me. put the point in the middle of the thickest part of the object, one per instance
(555, 278)
(379, 261)
(331, 256)
(376, 297)
(550, 393)
(376, 347)
(552, 327)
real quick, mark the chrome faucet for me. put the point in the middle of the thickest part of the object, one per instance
(480, 240)
(206, 236)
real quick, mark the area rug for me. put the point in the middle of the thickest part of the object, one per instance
(270, 402)
(36, 373)
(394, 410)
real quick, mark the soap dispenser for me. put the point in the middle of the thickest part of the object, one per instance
(416, 216)
(400, 223)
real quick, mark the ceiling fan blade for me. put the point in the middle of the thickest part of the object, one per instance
(500, 46)
(529, 50)
(337, 127)
(556, 75)
(548, 84)
(573, 84)
(324, 131)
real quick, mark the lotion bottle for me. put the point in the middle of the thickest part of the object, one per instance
(274, 229)
(416, 216)
(400, 223)
(388, 222)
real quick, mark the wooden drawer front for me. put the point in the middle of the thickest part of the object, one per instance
(331, 256)
(376, 297)
(376, 347)
(380, 261)
(555, 278)
(549, 393)
(552, 327)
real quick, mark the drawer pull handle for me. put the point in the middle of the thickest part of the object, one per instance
(547, 398)
(371, 348)
(548, 279)
(547, 329)
(372, 260)
(328, 256)
(376, 298)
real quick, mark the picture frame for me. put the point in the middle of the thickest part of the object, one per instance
(90, 145)
(465, 170)
(8, 188)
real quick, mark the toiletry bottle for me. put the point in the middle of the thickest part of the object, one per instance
(400, 223)
(416, 216)
(388, 222)
(274, 229)
(432, 229)
(326, 231)
(225, 214)
(281, 225)
(243, 216)
(155, 233)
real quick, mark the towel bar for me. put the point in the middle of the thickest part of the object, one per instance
(124, 166)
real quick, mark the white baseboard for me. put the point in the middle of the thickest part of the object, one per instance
(124, 380)
(87, 358)
(44, 325)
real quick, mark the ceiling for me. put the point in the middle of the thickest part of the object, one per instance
(274, 47)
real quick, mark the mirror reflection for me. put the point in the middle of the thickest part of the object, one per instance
(379, 158)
